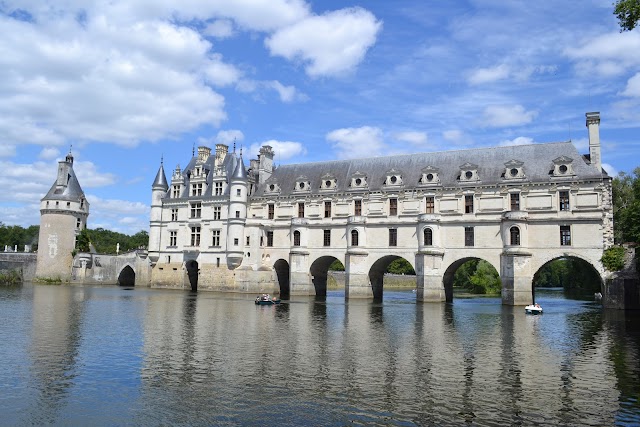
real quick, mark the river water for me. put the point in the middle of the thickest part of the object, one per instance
(82, 355)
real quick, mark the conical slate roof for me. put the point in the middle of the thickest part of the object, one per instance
(161, 179)
(71, 191)
(240, 172)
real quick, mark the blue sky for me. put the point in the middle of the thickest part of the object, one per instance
(128, 82)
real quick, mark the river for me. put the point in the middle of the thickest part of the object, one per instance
(91, 355)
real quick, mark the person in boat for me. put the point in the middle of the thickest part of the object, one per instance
(537, 305)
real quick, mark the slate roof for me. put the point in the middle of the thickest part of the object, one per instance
(537, 162)
(70, 192)
(161, 179)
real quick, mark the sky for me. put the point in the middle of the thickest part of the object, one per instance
(127, 84)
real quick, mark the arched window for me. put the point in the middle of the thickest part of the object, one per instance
(428, 237)
(354, 237)
(515, 236)
(296, 238)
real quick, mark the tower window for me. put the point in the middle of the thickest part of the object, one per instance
(565, 235)
(428, 237)
(301, 210)
(564, 200)
(357, 207)
(327, 238)
(468, 204)
(354, 237)
(514, 233)
(515, 201)
(393, 237)
(296, 238)
(270, 210)
(173, 238)
(393, 207)
(430, 203)
(238, 192)
(269, 238)
(469, 236)
(327, 209)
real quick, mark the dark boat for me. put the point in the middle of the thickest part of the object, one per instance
(265, 299)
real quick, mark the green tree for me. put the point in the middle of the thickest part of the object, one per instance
(626, 207)
(336, 266)
(628, 13)
(400, 266)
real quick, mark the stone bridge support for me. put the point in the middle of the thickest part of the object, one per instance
(300, 281)
(357, 282)
(429, 276)
(517, 277)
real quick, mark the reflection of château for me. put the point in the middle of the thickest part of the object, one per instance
(216, 225)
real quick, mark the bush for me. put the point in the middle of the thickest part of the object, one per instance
(613, 258)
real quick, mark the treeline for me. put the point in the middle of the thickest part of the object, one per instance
(626, 207)
(104, 241)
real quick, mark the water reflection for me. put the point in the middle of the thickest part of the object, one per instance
(151, 357)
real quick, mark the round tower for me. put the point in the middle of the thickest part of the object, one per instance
(158, 192)
(238, 198)
(63, 214)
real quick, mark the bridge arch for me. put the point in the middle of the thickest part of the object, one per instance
(377, 271)
(127, 276)
(283, 272)
(581, 269)
(448, 277)
(192, 274)
(319, 271)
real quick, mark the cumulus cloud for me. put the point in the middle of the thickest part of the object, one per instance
(633, 86)
(330, 44)
(228, 137)
(507, 115)
(116, 207)
(89, 176)
(284, 150)
(610, 169)
(488, 75)
(456, 137)
(607, 54)
(220, 29)
(49, 153)
(521, 140)
(412, 137)
(7, 150)
(353, 143)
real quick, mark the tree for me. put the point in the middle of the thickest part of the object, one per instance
(400, 266)
(628, 14)
(626, 207)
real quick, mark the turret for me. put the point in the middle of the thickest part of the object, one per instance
(63, 214)
(238, 198)
(158, 192)
(593, 124)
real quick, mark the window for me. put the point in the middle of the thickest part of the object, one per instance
(354, 237)
(68, 204)
(78, 222)
(217, 212)
(196, 189)
(430, 203)
(196, 209)
(515, 201)
(393, 237)
(237, 214)
(468, 236)
(393, 207)
(468, 204)
(428, 237)
(564, 201)
(81, 203)
(174, 214)
(327, 238)
(218, 189)
(327, 209)
(238, 192)
(236, 241)
(271, 210)
(248, 240)
(296, 238)
(300, 210)
(175, 193)
(217, 262)
(565, 235)
(173, 238)
(261, 240)
(269, 238)
(357, 207)
(216, 238)
(515, 236)
(195, 236)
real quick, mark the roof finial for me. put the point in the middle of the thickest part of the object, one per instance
(193, 150)
(234, 145)
(161, 159)
(240, 150)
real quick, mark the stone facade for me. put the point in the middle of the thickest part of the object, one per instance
(218, 226)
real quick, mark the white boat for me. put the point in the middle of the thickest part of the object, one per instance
(533, 309)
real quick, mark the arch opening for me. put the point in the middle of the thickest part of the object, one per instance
(282, 272)
(127, 277)
(576, 276)
(392, 264)
(471, 275)
(192, 273)
(320, 273)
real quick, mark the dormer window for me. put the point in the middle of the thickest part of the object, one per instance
(468, 173)
(272, 188)
(302, 184)
(430, 175)
(358, 180)
(328, 182)
(513, 170)
(394, 178)
(562, 166)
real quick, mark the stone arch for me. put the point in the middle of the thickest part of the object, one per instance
(586, 265)
(192, 273)
(283, 271)
(377, 270)
(127, 276)
(319, 271)
(450, 271)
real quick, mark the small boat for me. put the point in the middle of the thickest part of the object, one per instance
(533, 309)
(266, 299)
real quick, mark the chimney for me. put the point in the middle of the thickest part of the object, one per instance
(203, 154)
(221, 153)
(593, 124)
(266, 163)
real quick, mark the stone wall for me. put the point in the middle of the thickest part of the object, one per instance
(106, 269)
(24, 263)
(622, 288)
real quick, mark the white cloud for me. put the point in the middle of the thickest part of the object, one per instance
(287, 94)
(49, 153)
(412, 137)
(507, 115)
(228, 137)
(220, 29)
(456, 137)
(610, 169)
(219, 73)
(489, 75)
(330, 44)
(284, 150)
(521, 140)
(7, 150)
(581, 144)
(89, 177)
(633, 86)
(607, 54)
(353, 143)
(117, 208)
